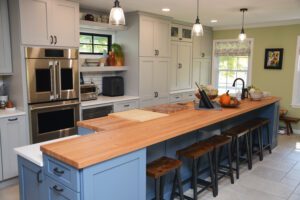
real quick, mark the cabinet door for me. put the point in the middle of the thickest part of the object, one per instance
(186, 34)
(184, 65)
(35, 21)
(13, 134)
(31, 180)
(65, 14)
(5, 49)
(202, 71)
(202, 46)
(175, 34)
(174, 66)
(160, 80)
(162, 38)
(146, 42)
(146, 92)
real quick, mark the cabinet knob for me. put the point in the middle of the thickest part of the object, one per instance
(55, 39)
(203, 55)
(155, 94)
(179, 65)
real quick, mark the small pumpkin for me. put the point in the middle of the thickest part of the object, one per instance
(225, 98)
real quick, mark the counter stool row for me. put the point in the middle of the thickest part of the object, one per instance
(212, 148)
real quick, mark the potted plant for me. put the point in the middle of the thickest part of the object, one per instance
(119, 56)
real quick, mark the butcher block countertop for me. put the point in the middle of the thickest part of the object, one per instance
(116, 139)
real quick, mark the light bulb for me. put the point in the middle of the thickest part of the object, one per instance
(242, 36)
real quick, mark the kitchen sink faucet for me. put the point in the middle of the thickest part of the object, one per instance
(244, 90)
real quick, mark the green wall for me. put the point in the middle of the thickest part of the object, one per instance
(278, 82)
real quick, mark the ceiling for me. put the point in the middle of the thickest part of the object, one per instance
(261, 12)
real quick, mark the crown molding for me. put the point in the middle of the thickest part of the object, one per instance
(259, 25)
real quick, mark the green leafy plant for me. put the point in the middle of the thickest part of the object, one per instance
(117, 49)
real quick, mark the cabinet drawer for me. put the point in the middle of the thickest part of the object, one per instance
(123, 106)
(188, 96)
(62, 173)
(55, 191)
(176, 98)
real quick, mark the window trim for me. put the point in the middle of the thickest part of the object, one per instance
(97, 35)
(214, 79)
(295, 98)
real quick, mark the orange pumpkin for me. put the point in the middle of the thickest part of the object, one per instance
(225, 98)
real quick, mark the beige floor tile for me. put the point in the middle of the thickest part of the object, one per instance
(268, 173)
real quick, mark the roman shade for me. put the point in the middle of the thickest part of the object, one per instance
(232, 48)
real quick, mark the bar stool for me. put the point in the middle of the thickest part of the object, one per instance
(157, 169)
(194, 153)
(255, 127)
(218, 142)
(237, 133)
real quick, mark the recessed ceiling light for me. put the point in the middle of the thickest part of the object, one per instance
(213, 21)
(166, 9)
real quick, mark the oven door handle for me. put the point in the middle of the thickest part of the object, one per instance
(53, 80)
(54, 106)
(58, 68)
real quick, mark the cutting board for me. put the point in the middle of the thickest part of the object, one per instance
(139, 115)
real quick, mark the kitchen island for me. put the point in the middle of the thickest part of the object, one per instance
(111, 162)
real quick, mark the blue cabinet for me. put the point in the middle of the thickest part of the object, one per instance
(31, 180)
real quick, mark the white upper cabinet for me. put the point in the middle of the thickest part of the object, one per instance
(181, 33)
(154, 37)
(181, 66)
(66, 14)
(5, 48)
(49, 22)
(202, 46)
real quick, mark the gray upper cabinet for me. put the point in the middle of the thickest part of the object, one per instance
(202, 46)
(13, 135)
(5, 47)
(181, 33)
(44, 22)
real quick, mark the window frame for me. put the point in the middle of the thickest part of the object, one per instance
(296, 98)
(215, 62)
(109, 44)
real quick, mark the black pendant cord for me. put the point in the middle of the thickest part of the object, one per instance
(243, 18)
(197, 8)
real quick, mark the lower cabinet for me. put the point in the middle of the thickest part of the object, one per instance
(125, 105)
(31, 181)
(202, 71)
(13, 134)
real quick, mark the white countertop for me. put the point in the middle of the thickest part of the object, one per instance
(107, 100)
(5, 113)
(33, 153)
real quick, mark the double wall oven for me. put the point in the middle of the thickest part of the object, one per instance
(53, 92)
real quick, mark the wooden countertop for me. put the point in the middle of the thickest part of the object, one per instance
(118, 139)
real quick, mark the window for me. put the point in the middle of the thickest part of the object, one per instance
(94, 44)
(232, 60)
(296, 89)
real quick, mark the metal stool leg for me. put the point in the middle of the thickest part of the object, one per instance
(212, 175)
(161, 189)
(179, 184)
(194, 178)
(268, 138)
(216, 168)
(174, 186)
(237, 159)
(157, 187)
(248, 152)
(230, 164)
(259, 135)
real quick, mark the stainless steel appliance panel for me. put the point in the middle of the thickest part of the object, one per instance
(40, 53)
(53, 120)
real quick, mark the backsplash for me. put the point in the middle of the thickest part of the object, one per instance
(96, 78)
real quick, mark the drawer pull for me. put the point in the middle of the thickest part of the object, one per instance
(57, 189)
(177, 97)
(58, 172)
(127, 105)
(13, 119)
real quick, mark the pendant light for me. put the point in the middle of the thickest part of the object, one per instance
(197, 28)
(242, 35)
(116, 16)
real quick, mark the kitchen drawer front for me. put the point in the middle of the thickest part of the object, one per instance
(62, 173)
(57, 191)
(188, 96)
(176, 98)
(125, 105)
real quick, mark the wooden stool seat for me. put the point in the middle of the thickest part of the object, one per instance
(288, 120)
(162, 166)
(195, 150)
(236, 131)
(256, 123)
(219, 140)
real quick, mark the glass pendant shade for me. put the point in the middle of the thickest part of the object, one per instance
(197, 28)
(116, 16)
(242, 36)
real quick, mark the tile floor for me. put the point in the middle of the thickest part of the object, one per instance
(277, 177)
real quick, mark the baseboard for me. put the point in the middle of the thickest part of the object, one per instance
(9, 182)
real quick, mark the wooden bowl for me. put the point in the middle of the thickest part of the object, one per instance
(230, 105)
